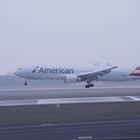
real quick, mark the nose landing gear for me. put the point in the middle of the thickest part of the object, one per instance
(25, 83)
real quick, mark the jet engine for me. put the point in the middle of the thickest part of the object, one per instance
(71, 78)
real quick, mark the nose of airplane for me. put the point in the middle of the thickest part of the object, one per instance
(18, 72)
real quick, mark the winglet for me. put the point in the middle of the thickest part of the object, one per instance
(114, 67)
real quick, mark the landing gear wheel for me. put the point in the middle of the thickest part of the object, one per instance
(25, 83)
(89, 85)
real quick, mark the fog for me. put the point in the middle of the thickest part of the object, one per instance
(69, 32)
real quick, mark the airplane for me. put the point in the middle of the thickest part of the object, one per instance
(73, 75)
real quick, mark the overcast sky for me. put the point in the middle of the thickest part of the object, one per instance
(69, 32)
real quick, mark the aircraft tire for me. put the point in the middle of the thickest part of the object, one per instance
(89, 85)
(25, 84)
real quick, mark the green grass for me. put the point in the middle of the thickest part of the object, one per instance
(32, 115)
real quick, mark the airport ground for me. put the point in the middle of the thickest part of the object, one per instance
(102, 119)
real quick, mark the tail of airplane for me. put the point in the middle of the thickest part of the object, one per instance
(136, 72)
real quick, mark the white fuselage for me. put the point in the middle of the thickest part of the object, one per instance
(60, 73)
(49, 73)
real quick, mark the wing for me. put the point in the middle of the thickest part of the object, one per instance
(94, 76)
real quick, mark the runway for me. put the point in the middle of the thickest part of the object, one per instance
(53, 93)
(103, 130)
(70, 113)
(20, 97)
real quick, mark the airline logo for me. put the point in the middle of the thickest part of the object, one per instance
(136, 72)
(35, 69)
(53, 70)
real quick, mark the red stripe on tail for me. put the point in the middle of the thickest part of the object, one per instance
(137, 68)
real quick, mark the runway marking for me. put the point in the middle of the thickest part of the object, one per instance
(79, 100)
(48, 124)
(60, 101)
(118, 138)
(109, 138)
(134, 98)
(85, 138)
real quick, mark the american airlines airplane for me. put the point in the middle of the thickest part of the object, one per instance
(71, 75)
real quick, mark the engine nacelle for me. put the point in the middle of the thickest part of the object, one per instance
(71, 78)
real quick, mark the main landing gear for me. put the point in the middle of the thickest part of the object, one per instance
(89, 85)
(25, 83)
